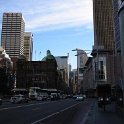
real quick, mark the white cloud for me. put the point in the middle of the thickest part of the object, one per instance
(60, 14)
(43, 15)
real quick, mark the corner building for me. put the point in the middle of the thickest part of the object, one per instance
(104, 42)
(12, 38)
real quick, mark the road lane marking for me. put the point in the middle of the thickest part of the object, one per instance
(45, 118)
(2, 109)
(35, 122)
(22, 106)
(85, 117)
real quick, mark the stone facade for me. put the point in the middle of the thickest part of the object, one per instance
(36, 73)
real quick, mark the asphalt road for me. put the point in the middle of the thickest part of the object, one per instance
(66, 111)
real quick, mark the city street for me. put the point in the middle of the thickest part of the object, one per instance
(62, 62)
(67, 111)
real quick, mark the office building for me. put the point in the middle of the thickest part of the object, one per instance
(121, 23)
(104, 41)
(81, 60)
(116, 6)
(28, 45)
(103, 24)
(63, 66)
(118, 63)
(12, 38)
(41, 74)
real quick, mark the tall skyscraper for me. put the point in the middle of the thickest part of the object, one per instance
(104, 41)
(12, 38)
(118, 50)
(103, 24)
(63, 66)
(82, 58)
(28, 45)
(116, 6)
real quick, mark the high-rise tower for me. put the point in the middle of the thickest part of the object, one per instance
(103, 24)
(104, 41)
(28, 45)
(116, 6)
(12, 38)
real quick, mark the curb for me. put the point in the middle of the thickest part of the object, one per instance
(90, 117)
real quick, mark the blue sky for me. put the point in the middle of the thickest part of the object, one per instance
(57, 25)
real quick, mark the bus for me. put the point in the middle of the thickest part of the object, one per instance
(54, 94)
(50, 91)
(34, 92)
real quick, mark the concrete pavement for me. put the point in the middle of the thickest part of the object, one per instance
(98, 116)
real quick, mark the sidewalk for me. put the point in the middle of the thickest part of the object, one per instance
(99, 116)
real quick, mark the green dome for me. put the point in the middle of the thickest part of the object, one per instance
(49, 57)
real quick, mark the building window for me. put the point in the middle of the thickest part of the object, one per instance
(101, 73)
(99, 70)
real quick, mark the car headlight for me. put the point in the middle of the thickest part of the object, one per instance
(120, 99)
(100, 99)
(107, 99)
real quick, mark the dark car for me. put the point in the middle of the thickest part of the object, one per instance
(54, 96)
(103, 101)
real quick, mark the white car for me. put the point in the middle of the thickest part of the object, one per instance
(79, 98)
(42, 97)
(18, 99)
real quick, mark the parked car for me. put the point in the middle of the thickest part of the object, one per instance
(80, 98)
(69, 96)
(54, 96)
(42, 97)
(103, 92)
(75, 96)
(84, 96)
(18, 99)
(0, 101)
